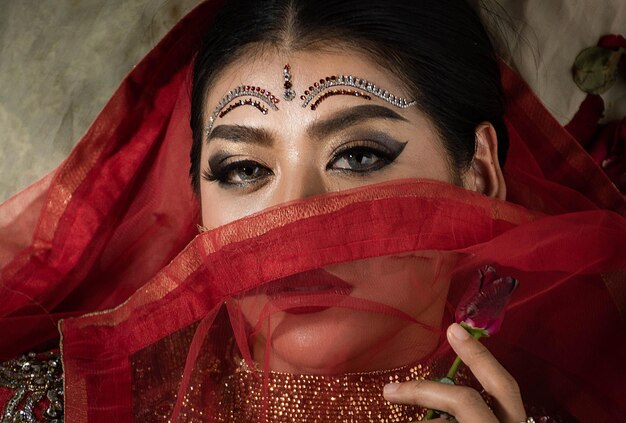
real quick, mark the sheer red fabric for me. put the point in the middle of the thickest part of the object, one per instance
(154, 319)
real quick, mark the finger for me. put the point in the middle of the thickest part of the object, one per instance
(464, 403)
(493, 377)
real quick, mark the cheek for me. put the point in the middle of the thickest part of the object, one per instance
(220, 206)
(425, 160)
(214, 211)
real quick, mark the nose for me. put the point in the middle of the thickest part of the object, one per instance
(299, 184)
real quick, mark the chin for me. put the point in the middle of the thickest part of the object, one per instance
(333, 341)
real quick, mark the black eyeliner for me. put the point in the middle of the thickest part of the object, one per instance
(376, 142)
(218, 172)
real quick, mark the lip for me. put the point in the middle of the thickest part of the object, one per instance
(294, 293)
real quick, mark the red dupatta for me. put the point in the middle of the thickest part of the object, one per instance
(112, 228)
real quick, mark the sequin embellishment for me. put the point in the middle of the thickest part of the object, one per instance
(351, 397)
(35, 378)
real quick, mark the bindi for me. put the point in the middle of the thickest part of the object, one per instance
(289, 94)
(326, 88)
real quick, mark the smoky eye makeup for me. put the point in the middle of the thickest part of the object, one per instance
(217, 159)
(231, 171)
(365, 152)
(354, 153)
(382, 140)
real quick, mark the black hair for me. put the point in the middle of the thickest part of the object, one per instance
(438, 48)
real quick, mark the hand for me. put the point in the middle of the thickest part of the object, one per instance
(464, 403)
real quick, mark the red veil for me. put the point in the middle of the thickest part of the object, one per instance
(103, 252)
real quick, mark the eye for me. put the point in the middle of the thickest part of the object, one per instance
(360, 160)
(240, 173)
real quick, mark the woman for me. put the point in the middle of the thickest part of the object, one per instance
(304, 308)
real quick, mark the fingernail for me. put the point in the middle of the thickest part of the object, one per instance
(458, 332)
(390, 388)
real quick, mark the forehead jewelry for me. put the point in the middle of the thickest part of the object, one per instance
(330, 93)
(242, 91)
(351, 81)
(289, 94)
(242, 102)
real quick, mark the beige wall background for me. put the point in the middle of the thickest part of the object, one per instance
(60, 60)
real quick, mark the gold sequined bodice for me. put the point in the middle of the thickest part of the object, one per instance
(352, 397)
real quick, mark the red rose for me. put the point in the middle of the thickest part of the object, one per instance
(483, 306)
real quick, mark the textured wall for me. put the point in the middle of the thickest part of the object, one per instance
(60, 60)
(547, 37)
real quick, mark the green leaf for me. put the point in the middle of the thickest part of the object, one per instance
(595, 69)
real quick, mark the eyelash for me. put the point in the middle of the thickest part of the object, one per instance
(221, 175)
(384, 155)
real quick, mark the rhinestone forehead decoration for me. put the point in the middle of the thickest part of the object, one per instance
(289, 94)
(330, 93)
(246, 102)
(351, 81)
(242, 91)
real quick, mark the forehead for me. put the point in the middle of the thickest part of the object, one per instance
(263, 68)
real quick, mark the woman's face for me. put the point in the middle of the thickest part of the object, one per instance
(253, 160)
(261, 160)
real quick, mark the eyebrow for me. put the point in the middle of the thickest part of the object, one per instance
(240, 133)
(351, 117)
(319, 129)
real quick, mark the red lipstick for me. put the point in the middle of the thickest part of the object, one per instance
(294, 294)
